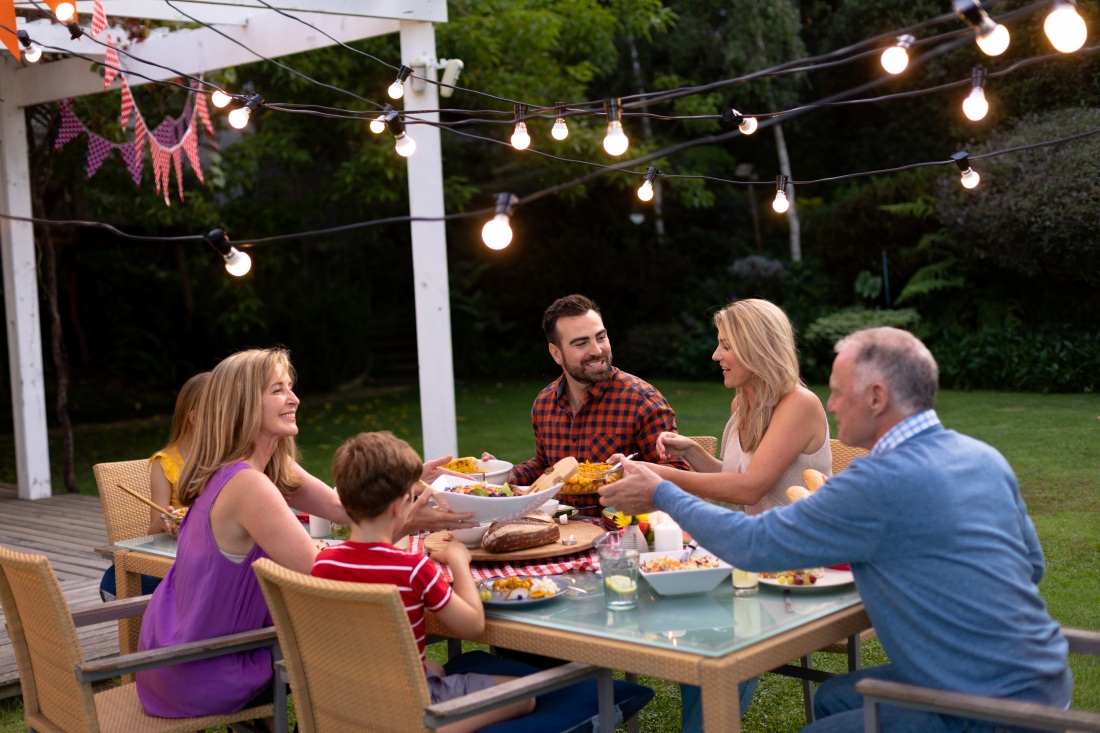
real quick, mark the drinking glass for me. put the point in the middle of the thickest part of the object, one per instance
(619, 567)
(745, 582)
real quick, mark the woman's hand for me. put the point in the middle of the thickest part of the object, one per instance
(434, 469)
(423, 516)
(674, 444)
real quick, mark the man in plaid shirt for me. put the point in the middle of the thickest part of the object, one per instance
(593, 409)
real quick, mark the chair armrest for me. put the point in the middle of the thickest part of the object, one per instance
(520, 688)
(111, 611)
(105, 669)
(1083, 642)
(992, 709)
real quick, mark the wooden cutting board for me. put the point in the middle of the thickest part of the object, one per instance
(584, 532)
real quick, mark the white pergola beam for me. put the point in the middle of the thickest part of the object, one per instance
(237, 11)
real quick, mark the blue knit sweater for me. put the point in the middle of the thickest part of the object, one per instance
(943, 553)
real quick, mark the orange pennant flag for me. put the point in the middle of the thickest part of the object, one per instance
(7, 17)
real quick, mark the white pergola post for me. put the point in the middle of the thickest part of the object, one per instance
(32, 453)
(429, 251)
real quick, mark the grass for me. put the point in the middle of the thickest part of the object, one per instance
(1051, 441)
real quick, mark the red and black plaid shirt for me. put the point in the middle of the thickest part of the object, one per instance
(621, 414)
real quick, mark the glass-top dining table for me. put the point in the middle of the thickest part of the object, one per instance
(713, 640)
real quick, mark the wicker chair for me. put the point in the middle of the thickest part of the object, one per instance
(125, 516)
(330, 630)
(57, 682)
(844, 454)
(707, 442)
(994, 710)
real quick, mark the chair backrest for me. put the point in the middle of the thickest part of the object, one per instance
(47, 649)
(708, 442)
(844, 454)
(125, 516)
(350, 653)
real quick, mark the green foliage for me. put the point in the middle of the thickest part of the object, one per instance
(868, 286)
(820, 336)
(930, 279)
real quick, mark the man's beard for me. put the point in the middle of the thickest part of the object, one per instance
(578, 372)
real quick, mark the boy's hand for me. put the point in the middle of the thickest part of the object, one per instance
(454, 553)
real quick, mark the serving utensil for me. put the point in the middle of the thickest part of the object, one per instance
(141, 498)
(559, 473)
(618, 466)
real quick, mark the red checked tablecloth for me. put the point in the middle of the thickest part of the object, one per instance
(585, 560)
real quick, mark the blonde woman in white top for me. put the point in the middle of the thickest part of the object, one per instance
(777, 429)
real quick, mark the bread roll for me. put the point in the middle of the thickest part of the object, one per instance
(814, 479)
(520, 534)
(794, 493)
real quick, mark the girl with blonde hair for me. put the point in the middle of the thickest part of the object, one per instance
(240, 480)
(167, 463)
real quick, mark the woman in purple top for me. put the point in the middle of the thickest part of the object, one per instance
(240, 478)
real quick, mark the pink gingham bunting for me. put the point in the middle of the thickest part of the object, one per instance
(99, 18)
(585, 560)
(177, 159)
(140, 133)
(127, 103)
(204, 112)
(70, 125)
(110, 65)
(129, 154)
(191, 146)
(98, 150)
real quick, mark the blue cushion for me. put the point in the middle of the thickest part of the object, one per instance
(573, 709)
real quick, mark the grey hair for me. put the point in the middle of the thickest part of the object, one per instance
(899, 360)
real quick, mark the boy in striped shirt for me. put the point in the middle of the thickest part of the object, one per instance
(375, 474)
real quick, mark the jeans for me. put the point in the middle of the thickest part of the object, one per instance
(691, 704)
(838, 708)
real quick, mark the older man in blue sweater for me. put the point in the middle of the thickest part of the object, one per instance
(943, 552)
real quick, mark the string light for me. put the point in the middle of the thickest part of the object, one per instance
(747, 125)
(237, 263)
(560, 130)
(1064, 27)
(31, 50)
(896, 58)
(397, 89)
(238, 118)
(975, 105)
(993, 37)
(970, 177)
(404, 145)
(497, 232)
(520, 138)
(220, 99)
(616, 141)
(63, 9)
(781, 204)
(645, 192)
(378, 124)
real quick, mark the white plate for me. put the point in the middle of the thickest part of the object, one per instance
(498, 598)
(832, 578)
(488, 508)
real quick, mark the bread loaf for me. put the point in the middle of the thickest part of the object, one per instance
(534, 530)
(794, 493)
(814, 479)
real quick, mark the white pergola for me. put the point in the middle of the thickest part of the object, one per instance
(195, 51)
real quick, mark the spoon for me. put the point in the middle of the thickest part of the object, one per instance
(618, 466)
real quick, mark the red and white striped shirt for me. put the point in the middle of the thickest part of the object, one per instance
(416, 577)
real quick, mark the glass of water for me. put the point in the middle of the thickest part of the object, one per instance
(619, 567)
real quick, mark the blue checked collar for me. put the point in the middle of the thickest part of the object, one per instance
(905, 430)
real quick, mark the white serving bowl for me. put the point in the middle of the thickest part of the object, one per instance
(681, 582)
(471, 537)
(487, 508)
(496, 471)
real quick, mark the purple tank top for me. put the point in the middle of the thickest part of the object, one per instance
(204, 595)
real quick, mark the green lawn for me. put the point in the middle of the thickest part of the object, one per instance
(1052, 442)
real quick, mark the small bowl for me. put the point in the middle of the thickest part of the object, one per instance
(682, 582)
(471, 537)
(550, 507)
(496, 471)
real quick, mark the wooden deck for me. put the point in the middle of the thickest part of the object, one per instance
(65, 528)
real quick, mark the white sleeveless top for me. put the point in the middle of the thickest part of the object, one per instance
(735, 460)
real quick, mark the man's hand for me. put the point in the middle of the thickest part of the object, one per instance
(673, 444)
(422, 515)
(633, 493)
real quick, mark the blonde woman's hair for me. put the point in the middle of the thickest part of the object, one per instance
(186, 403)
(227, 422)
(761, 339)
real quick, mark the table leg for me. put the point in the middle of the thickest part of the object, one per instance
(721, 703)
(127, 585)
(808, 690)
(605, 686)
(632, 725)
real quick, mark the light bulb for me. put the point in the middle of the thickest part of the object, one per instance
(975, 105)
(645, 193)
(781, 204)
(378, 124)
(1065, 28)
(32, 53)
(520, 138)
(238, 118)
(220, 99)
(237, 263)
(616, 141)
(995, 41)
(497, 232)
(970, 178)
(560, 130)
(748, 126)
(895, 59)
(64, 11)
(405, 145)
(396, 90)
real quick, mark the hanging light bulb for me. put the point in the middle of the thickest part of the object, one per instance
(397, 89)
(970, 177)
(781, 204)
(560, 130)
(497, 232)
(995, 42)
(1064, 27)
(403, 144)
(616, 141)
(220, 99)
(747, 125)
(238, 118)
(993, 37)
(31, 50)
(520, 138)
(237, 263)
(62, 9)
(896, 58)
(378, 124)
(645, 192)
(975, 105)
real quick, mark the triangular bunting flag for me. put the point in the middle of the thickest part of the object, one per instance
(70, 125)
(127, 103)
(98, 150)
(191, 146)
(177, 159)
(110, 65)
(99, 18)
(130, 157)
(204, 112)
